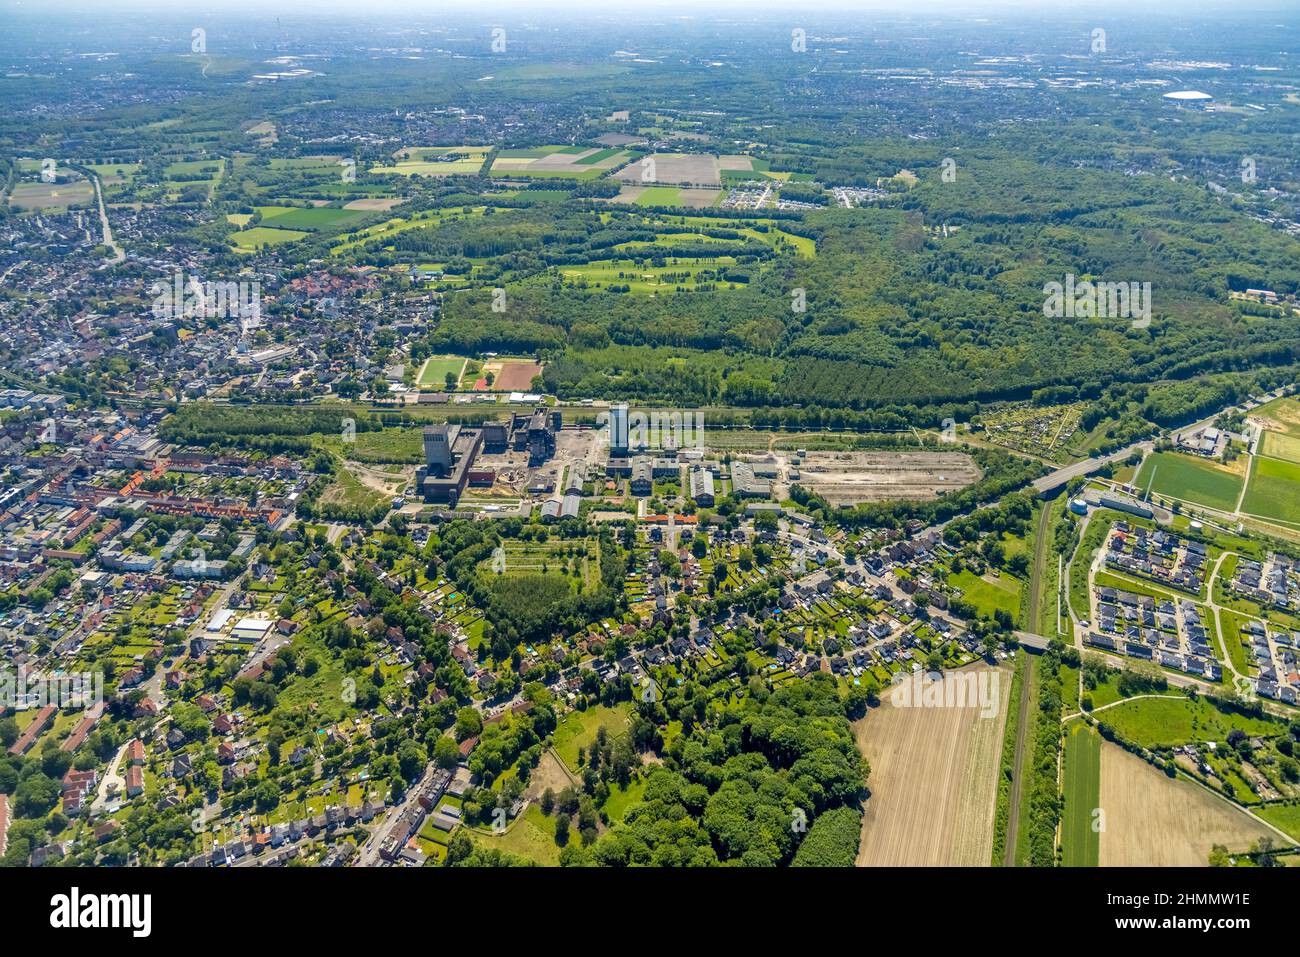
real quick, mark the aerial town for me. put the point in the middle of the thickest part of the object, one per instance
(667, 443)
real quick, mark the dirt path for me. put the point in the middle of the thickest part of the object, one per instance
(1017, 778)
(1036, 571)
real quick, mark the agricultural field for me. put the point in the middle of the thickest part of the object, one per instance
(51, 195)
(1192, 479)
(683, 196)
(1082, 763)
(1153, 820)
(1274, 490)
(1281, 416)
(558, 162)
(435, 161)
(1276, 445)
(933, 782)
(186, 172)
(313, 218)
(251, 240)
(683, 169)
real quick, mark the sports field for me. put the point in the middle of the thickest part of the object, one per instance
(434, 372)
(1192, 479)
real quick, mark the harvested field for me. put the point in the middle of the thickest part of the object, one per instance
(678, 169)
(849, 478)
(933, 782)
(1153, 820)
(375, 203)
(619, 139)
(557, 161)
(743, 163)
(51, 195)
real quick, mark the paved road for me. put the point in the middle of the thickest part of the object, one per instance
(1063, 476)
(118, 254)
(370, 856)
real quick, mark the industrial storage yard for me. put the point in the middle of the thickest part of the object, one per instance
(848, 478)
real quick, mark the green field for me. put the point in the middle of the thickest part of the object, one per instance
(578, 730)
(1274, 490)
(1190, 479)
(192, 171)
(308, 218)
(248, 240)
(1080, 844)
(988, 595)
(434, 373)
(400, 224)
(1168, 722)
(1278, 445)
(531, 835)
(622, 800)
(683, 273)
(1284, 816)
(598, 156)
(660, 196)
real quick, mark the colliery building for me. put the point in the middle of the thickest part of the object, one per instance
(449, 452)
